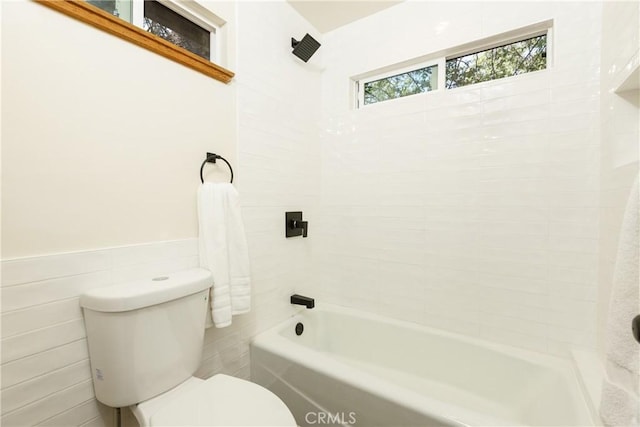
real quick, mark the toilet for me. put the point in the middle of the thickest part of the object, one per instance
(145, 343)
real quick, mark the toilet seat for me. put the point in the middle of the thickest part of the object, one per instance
(219, 401)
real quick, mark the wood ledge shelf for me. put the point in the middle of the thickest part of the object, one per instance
(87, 13)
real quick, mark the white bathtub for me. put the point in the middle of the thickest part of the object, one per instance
(353, 368)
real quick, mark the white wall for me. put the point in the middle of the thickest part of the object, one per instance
(620, 138)
(134, 181)
(101, 139)
(474, 209)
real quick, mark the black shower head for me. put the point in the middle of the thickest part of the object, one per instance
(305, 48)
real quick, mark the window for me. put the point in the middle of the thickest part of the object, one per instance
(108, 6)
(405, 84)
(156, 18)
(183, 31)
(171, 26)
(521, 57)
(505, 55)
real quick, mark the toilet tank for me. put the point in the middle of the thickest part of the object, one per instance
(145, 337)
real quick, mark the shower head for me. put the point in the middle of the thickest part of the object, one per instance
(305, 48)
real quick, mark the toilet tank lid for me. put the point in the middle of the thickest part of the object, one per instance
(147, 292)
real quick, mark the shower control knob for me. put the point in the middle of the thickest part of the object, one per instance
(294, 225)
(635, 326)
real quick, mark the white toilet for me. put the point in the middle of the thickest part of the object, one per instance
(145, 342)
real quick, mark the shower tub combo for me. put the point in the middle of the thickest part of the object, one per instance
(352, 368)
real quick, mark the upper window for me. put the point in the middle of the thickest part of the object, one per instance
(521, 57)
(526, 51)
(399, 85)
(167, 19)
(171, 26)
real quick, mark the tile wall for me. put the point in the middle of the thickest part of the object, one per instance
(278, 146)
(277, 172)
(473, 209)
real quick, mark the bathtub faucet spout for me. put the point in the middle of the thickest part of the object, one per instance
(301, 300)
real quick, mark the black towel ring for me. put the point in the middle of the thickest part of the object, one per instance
(211, 158)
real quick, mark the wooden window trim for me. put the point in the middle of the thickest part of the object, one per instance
(92, 15)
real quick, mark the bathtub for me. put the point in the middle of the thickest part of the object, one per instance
(353, 368)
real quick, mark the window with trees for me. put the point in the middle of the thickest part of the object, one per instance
(405, 84)
(521, 57)
(521, 51)
(171, 26)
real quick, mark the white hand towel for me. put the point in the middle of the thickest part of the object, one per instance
(620, 388)
(239, 271)
(223, 251)
(624, 305)
(618, 407)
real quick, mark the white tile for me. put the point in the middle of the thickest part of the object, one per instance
(25, 270)
(30, 391)
(39, 340)
(573, 244)
(49, 406)
(39, 316)
(572, 275)
(584, 339)
(578, 292)
(537, 329)
(97, 422)
(36, 293)
(518, 308)
(76, 415)
(573, 260)
(42, 363)
(153, 252)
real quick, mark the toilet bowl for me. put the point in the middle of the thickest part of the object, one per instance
(145, 343)
(218, 401)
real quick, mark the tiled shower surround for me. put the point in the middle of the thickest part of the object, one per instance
(473, 209)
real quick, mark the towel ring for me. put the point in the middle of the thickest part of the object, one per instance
(211, 158)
